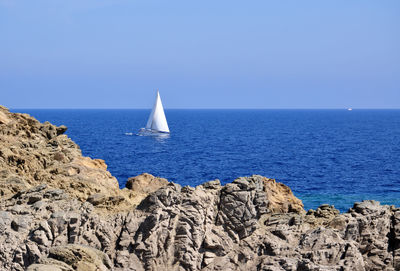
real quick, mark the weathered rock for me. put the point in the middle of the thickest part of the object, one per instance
(80, 258)
(4, 119)
(62, 211)
(245, 200)
(145, 183)
(177, 228)
(139, 187)
(33, 153)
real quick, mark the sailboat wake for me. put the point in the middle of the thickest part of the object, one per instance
(144, 132)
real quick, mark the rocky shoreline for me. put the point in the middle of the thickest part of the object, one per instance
(62, 211)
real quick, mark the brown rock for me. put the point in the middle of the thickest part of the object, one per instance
(4, 119)
(280, 197)
(80, 258)
(145, 183)
(32, 153)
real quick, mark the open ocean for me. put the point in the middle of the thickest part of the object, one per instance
(324, 156)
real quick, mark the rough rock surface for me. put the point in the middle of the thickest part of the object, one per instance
(140, 186)
(145, 183)
(33, 153)
(73, 257)
(62, 211)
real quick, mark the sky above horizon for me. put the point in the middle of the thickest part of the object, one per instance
(200, 54)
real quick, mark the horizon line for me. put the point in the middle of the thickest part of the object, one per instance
(200, 108)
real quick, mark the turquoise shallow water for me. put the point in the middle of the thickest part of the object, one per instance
(325, 156)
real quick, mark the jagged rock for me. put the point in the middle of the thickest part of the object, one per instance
(80, 258)
(33, 153)
(372, 226)
(137, 188)
(62, 211)
(177, 228)
(4, 119)
(245, 200)
(145, 183)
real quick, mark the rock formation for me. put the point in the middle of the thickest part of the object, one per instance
(73, 257)
(62, 211)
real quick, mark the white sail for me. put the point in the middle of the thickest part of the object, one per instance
(157, 120)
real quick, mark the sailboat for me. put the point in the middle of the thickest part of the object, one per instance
(157, 122)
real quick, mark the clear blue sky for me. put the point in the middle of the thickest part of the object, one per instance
(200, 54)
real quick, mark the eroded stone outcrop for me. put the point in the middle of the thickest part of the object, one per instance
(62, 211)
(73, 257)
(34, 153)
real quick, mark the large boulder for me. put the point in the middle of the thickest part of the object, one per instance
(246, 199)
(145, 183)
(73, 257)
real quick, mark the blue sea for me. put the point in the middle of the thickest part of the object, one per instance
(324, 156)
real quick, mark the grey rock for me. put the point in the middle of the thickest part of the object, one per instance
(73, 257)
(209, 227)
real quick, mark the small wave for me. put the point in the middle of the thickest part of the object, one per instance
(128, 134)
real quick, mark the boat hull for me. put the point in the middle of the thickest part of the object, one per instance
(150, 132)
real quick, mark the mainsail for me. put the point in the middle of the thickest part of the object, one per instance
(157, 121)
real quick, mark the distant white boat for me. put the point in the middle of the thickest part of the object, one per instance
(349, 109)
(157, 122)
